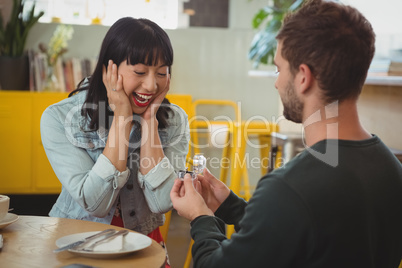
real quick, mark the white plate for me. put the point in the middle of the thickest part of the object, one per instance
(8, 219)
(132, 242)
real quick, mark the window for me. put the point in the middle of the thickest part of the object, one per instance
(166, 13)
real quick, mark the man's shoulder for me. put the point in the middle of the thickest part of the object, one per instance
(296, 176)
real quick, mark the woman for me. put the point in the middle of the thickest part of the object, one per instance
(116, 142)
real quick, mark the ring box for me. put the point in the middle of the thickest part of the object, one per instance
(181, 174)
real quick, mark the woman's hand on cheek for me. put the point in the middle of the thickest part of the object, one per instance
(153, 107)
(119, 102)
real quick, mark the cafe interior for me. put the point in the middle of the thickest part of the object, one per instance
(234, 110)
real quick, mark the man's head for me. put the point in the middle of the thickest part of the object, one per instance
(335, 41)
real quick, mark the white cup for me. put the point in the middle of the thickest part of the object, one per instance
(4, 206)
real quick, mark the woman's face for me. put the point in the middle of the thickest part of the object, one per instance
(143, 83)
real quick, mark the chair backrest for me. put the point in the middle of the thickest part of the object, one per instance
(182, 100)
(197, 123)
(212, 102)
(164, 229)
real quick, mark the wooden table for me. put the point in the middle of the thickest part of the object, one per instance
(30, 241)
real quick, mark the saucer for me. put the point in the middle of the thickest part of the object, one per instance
(8, 219)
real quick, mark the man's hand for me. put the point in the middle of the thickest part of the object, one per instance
(187, 201)
(212, 190)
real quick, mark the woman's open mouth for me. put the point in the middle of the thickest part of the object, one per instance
(141, 100)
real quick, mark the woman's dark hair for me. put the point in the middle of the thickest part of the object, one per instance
(336, 42)
(135, 41)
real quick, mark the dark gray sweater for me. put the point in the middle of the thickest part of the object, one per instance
(313, 214)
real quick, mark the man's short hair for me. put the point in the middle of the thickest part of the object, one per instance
(335, 41)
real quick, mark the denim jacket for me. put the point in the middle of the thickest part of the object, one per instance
(91, 184)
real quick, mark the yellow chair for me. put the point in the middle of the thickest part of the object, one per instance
(199, 123)
(164, 229)
(187, 261)
(265, 131)
(236, 141)
(239, 183)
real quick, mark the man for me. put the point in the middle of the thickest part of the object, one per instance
(338, 203)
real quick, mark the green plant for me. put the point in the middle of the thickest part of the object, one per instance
(13, 35)
(269, 20)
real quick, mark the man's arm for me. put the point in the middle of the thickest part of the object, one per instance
(232, 210)
(276, 231)
(220, 199)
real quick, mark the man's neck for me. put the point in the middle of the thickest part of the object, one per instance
(338, 120)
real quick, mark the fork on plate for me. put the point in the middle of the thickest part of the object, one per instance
(103, 240)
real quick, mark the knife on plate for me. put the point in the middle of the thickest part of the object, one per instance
(107, 237)
(86, 239)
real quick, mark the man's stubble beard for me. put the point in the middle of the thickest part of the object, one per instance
(292, 106)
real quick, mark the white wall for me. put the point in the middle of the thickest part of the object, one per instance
(209, 62)
(385, 17)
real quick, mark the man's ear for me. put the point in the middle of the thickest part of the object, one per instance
(305, 78)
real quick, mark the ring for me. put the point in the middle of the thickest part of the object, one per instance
(113, 89)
